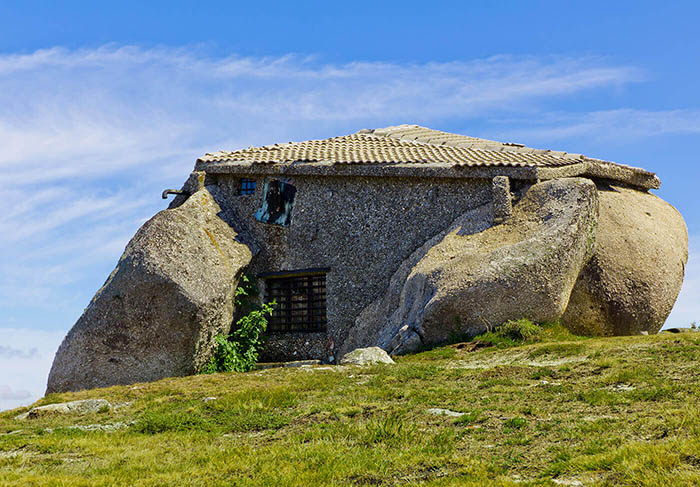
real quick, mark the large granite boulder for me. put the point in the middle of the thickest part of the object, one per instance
(475, 276)
(634, 277)
(157, 314)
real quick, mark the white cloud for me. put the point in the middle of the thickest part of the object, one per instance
(11, 352)
(605, 125)
(90, 137)
(25, 368)
(116, 108)
(7, 394)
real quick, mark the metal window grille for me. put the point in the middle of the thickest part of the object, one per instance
(301, 303)
(247, 186)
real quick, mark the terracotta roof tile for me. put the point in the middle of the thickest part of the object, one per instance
(382, 146)
(409, 144)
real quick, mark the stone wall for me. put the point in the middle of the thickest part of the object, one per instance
(362, 228)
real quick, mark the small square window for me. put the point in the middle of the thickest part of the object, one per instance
(247, 186)
(300, 303)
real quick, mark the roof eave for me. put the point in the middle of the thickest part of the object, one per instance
(589, 168)
(410, 170)
(625, 174)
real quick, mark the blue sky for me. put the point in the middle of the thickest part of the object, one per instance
(102, 107)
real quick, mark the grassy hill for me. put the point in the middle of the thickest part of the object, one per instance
(561, 411)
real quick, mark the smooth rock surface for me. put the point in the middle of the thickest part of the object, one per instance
(636, 271)
(366, 356)
(473, 277)
(157, 314)
(85, 406)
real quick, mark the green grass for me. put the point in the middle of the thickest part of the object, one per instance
(535, 409)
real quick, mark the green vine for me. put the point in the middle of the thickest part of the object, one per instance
(239, 351)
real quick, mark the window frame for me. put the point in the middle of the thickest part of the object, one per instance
(247, 186)
(301, 301)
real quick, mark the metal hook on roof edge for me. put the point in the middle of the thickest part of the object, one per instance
(166, 192)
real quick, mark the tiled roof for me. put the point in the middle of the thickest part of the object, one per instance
(402, 144)
(412, 144)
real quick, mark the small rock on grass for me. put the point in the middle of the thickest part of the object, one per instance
(108, 428)
(85, 406)
(444, 412)
(565, 481)
(366, 356)
(15, 432)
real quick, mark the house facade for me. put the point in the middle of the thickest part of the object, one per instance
(398, 237)
(330, 221)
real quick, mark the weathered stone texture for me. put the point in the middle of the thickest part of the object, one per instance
(502, 204)
(360, 228)
(366, 356)
(636, 272)
(157, 314)
(471, 277)
(194, 183)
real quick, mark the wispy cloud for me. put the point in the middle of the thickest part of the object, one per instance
(11, 352)
(620, 124)
(8, 394)
(91, 136)
(126, 99)
(25, 364)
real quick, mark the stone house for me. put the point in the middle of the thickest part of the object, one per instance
(396, 237)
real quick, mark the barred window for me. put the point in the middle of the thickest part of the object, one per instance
(247, 186)
(300, 301)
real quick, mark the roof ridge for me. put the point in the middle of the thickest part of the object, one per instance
(415, 132)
